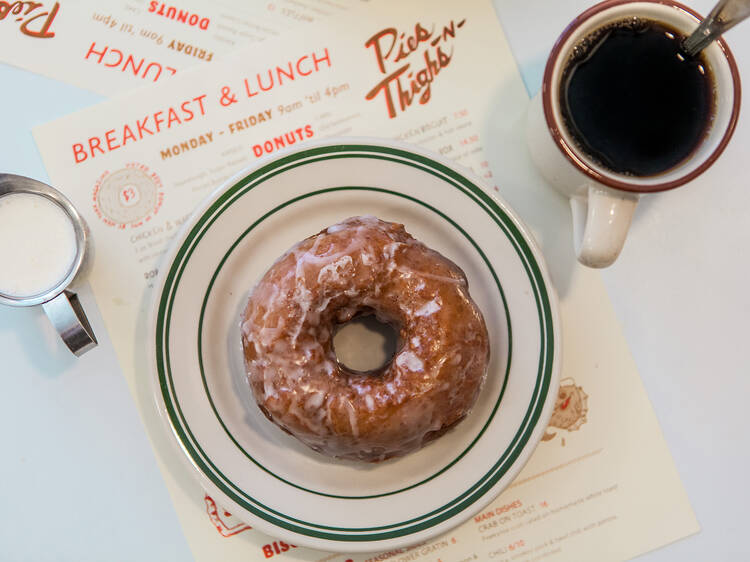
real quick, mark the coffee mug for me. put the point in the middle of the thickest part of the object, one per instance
(603, 199)
(43, 243)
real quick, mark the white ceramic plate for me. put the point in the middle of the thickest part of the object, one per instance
(263, 475)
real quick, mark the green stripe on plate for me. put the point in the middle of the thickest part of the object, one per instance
(458, 504)
(322, 192)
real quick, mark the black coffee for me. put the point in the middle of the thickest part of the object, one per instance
(633, 101)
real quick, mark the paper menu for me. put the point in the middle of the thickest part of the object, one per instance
(136, 166)
(141, 160)
(110, 48)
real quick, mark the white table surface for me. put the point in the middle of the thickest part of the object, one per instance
(78, 479)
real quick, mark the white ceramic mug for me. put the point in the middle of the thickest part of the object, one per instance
(603, 201)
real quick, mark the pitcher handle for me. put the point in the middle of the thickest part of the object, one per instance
(67, 316)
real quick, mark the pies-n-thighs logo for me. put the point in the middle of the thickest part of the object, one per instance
(410, 62)
(129, 197)
(34, 18)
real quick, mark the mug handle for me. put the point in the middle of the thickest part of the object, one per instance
(67, 316)
(601, 219)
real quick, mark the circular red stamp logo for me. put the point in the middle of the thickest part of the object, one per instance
(571, 408)
(128, 197)
(226, 523)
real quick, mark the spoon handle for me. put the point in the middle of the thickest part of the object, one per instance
(725, 15)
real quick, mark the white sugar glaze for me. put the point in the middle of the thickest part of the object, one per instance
(364, 265)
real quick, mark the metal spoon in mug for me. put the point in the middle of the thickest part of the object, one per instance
(725, 15)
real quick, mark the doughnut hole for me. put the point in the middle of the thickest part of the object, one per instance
(364, 344)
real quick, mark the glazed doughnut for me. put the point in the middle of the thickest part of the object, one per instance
(364, 266)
